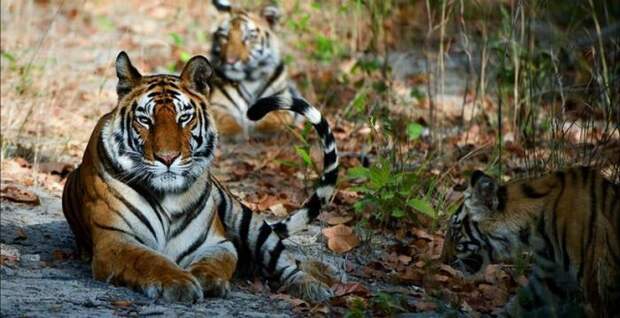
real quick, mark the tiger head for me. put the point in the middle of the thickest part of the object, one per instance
(244, 45)
(483, 230)
(160, 134)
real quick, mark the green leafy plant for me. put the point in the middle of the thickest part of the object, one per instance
(388, 304)
(325, 48)
(391, 195)
(357, 309)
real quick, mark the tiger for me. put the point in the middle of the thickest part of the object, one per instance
(148, 213)
(568, 220)
(248, 64)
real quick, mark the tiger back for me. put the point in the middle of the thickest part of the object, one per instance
(570, 222)
(145, 208)
(246, 54)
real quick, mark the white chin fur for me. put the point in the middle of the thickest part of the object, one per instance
(235, 75)
(169, 182)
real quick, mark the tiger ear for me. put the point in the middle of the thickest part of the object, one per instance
(222, 5)
(272, 14)
(128, 75)
(197, 74)
(485, 188)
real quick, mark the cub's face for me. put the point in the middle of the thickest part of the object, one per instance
(161, 135)
(244, 47)
(475, 238)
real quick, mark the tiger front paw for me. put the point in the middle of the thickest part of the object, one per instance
(181, 287)
(217, 287)
(309, 289)
(214, 275)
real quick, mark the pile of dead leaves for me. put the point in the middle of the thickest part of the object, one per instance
(415, 261)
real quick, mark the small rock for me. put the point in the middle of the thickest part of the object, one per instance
(5, 270)
(31, 260)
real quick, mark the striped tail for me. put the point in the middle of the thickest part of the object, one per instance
(300, 218)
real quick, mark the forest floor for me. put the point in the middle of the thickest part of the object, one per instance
(41, 275)
(385, 273)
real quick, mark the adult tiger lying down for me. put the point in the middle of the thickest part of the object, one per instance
(569, 220)
(144, 205)
(246, 53)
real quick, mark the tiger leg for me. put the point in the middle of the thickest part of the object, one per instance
(217, 264)
(274, 122)
(118, 258)
(227, 125)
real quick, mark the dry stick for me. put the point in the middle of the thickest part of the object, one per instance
(431, 106)
(556, 121)
(516, 62)
(607, 113)
(482, 81)
(470, 67)
(440, 58)
(602, 55)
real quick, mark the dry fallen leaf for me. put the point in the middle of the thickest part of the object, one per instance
(441, 278)
(299, 304)
(60, 255)
(350, 288)
(425, 306)
(122, 303)
(20, 234)
(422, 234)
(497, 295)
(58, 168)
(448, 270)
(15, 194)
(335, 220)
(279, 210)
(340, 238)
(405, 259)
(268, 201)
(411, 275)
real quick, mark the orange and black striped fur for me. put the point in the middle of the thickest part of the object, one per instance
(248, 63)
(145, 207)
(569, 220)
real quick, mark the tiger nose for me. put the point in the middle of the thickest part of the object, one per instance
(167, 158)
(231, 60)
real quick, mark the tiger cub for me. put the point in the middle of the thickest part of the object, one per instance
(248, 65)
(569, 220)
(145, 207)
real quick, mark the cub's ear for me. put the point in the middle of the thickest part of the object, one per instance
(272, 14)
(222, 5)
(128, 75)
(197, 73)
(475, 176)
(485, 189)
